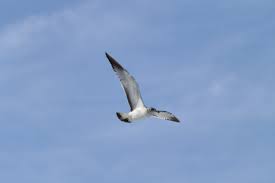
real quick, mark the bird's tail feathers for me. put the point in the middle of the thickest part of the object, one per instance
(123, 117)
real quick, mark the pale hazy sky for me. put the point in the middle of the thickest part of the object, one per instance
(210, 62)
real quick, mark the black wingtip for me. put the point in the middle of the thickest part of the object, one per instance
(176, 120)
(113, 62)
(108, 56)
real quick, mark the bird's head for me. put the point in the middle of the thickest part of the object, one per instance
(152, 109)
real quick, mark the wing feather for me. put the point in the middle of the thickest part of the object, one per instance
(129, 84)
(164, 115)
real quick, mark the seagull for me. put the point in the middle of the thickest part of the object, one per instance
(138, 109)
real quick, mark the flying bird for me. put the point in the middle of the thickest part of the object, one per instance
(131, 88)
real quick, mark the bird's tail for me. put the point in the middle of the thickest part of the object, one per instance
(123, 117)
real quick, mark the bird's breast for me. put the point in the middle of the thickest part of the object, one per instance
(138, 113)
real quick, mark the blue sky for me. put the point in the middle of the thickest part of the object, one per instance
(209, 62)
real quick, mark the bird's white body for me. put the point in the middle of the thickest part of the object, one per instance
(138, 114)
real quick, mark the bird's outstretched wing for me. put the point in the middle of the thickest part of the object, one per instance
(129, 84)
(164, 115)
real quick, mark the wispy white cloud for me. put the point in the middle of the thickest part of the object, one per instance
(76, 25)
